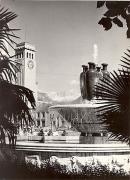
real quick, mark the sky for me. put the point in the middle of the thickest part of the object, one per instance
(65, 35)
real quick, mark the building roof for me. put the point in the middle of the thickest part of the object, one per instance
(25, 45)
(42, 107)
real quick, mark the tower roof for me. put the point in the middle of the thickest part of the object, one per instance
(25, 45)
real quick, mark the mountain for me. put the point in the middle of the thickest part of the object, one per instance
(43, 97)
(44, 101)
(79, 100)
(43, 107)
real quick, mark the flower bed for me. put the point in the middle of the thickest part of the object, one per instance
(112, 166)
(83, 166)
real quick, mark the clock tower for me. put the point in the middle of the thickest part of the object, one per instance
(25, 57)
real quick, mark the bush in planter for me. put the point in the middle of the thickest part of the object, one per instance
(95, 169)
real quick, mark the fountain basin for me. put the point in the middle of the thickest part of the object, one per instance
(83, 119)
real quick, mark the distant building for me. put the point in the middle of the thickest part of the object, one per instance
(42, 115)
(26, 62)
(25, 57)
(57, 121)
(49, 118)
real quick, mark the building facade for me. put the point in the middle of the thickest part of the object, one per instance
(26, 62)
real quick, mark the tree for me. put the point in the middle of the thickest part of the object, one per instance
(13, 98)
(115, 103)
(116, 10)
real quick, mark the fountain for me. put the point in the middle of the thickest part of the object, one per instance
(87, 138)
(82, 117)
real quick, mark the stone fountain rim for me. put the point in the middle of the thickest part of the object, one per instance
(85, 105)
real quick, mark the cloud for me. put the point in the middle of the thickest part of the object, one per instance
(74, 82)
(72, 93)
(64, 96)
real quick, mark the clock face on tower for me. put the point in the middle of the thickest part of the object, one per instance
(30, 64)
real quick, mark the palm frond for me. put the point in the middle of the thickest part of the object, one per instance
(15, 101)
(13, 108)
(8, 69)
(115, 101)
(126, 60)
(6, 33)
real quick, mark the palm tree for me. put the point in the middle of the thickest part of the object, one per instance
(115, 103)
(13, 98)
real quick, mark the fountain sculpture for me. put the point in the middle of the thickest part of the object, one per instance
(83, 116)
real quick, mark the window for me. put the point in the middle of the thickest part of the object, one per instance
(22, 54)
(43, 123)
(27, 54)
(38, 115)
(32, 56)
(38, 123)
(43, 114)
(54, 123)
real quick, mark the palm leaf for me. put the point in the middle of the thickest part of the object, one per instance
(14, 99)
(6, 33)
(13, 108)
(126, 60)
(115, 101)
